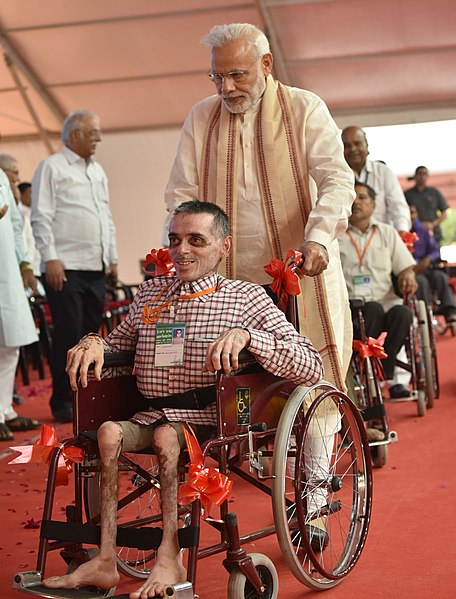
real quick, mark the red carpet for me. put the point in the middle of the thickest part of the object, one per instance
(411, 547)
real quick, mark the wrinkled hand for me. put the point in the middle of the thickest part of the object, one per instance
(314, 259)
(88, 351)
(55, 274)
(3, 210)
(406, 281)
(224, 351)
(29, 280)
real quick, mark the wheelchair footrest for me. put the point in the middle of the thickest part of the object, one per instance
(146, 537)
(30, 582)
(181, 590)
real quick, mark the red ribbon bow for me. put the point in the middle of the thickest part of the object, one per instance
(372, 348)
(409, 239)
(41, 451)
(207, 484)
(286, 281)
(163, 263)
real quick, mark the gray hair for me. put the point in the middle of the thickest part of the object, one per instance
(74, 122)
(221, 223)
(221, 35)
(8, 162)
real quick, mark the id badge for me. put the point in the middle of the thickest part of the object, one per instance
(362, 285)
(169, 344)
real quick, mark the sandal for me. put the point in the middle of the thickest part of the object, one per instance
(5, 433)
(21, 423)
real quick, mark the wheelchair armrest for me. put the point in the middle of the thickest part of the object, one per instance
(356, 304)
(114, 359)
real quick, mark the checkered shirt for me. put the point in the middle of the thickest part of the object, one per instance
(275, 343)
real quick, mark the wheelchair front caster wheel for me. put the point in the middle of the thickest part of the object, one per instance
(240, 588)
(379, 455)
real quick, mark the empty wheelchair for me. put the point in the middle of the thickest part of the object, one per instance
(320, 471)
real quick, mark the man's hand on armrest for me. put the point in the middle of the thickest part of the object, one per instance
(406, 281)
(88, 351)
(224, 351)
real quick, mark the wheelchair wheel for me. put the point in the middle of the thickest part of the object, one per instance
(435, 371)
(323, 474)
(139, 505)
(239, 586)
(426, 353)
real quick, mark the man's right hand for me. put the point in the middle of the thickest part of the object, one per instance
(55, 274)
(88, 351)
(3, 210)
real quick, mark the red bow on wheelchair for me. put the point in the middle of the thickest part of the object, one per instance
(286, 281)
(207, 484)
(409, 238)
(161, 261)
(41, 451)
(372, 348)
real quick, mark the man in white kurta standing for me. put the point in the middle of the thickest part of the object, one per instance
(16, 323)
(271, 157)
(75, 235)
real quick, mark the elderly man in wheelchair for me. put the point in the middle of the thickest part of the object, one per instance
(218, 318)
(371, 252)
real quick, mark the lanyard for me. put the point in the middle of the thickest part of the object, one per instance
(152, 313)
(358, 251)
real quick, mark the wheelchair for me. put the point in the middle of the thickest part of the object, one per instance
(421, 356)
(313, 441)
(364, 385)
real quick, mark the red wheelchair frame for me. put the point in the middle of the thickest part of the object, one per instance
(282, 423)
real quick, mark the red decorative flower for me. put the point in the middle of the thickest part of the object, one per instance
(409, 239)
(207, 484)
(372, 348)
(286, 281)
(42, 450)
(163, 264)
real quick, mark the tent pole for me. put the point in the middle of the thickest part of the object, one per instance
(42, 132)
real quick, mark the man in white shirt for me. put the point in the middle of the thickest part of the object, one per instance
(390, 203)
(371, 252)
(75, 235)
(270, 156)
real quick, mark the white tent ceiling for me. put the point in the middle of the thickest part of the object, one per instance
(139, 63)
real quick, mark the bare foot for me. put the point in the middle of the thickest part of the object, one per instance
(97, 572)
(162, 575)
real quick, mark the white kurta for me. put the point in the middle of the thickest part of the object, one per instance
(16, 323)
(331, 185)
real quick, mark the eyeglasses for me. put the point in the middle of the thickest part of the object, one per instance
(237, 75)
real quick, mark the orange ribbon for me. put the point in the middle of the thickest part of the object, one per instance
(409, 239)
(41, 451)
(286, 281)
(163, 263)
(207, 484)
(371, 349)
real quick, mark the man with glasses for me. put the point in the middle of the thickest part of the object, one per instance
(270, 155)
(75, 235)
